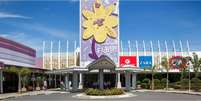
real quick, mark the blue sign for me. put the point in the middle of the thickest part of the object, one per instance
(145, 62)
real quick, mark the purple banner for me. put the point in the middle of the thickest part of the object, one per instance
(99, 30)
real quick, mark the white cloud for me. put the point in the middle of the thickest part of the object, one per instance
(11, 15)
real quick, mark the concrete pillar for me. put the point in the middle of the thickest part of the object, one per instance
(49, 80)
(101, 79)
(128, 84)
(80, 83)
(1, 81)
(55, 81)
(134, 80)
(75, 81)
(67, 82)
(118, 80)
(19, 82)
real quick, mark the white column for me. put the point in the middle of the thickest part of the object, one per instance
(101, 79)
(75, 81)
(128, 84)
(118, 84)
(81, 82)
(67, 81)
(134, 80)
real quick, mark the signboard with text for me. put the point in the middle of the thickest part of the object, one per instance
(145, 62)
(99, 30)
(127, 61)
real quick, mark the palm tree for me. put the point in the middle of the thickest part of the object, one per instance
(165, 64)
(152, 76)
(196, 64)
(21, 72)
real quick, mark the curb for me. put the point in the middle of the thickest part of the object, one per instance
(32, 94)
(84, 96)
(177, 92)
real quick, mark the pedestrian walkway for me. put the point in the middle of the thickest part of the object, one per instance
(42, 92)
(169, 91)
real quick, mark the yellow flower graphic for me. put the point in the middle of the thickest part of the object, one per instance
(100, 22)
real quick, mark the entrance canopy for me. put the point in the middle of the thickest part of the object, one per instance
(104, 62)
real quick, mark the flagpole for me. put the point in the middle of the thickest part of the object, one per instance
(181, 48)
(159, 52)
(189, 73)
(144, 47)
(59, 55)
(174, 48)
(167, 56)
(67, 54)
(43, 54)
(75, 58)
(152, 53)
(137, 54)
(122, 49)
(51, 62)
(129, 47)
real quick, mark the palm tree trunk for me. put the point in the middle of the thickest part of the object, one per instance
(167, 80)
(19, 82)
(152, 83)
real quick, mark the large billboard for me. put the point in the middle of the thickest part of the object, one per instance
(128, 61)
(99, 30)
(145, 62)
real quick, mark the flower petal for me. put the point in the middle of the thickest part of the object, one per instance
(87, 23)
(99, 9)
(100, 35)
(87, 14)
(109, 9)
(87, 34)
(111, 32)
(111, 21)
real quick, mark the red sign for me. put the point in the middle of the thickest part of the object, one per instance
(128, 61)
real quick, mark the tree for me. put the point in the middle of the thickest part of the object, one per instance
(165, 64)
(196, 64)
(153, 70)
(21, 72)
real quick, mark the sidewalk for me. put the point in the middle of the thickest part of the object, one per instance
(42, 92)
(169, 91)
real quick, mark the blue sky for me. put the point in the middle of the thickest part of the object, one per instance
(31, 22)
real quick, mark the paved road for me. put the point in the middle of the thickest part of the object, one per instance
(141, 96)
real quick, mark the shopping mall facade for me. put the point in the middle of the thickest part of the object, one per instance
(101, 61)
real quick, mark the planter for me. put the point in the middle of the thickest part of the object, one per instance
(24, 89)
(138, 86)
(38, 88)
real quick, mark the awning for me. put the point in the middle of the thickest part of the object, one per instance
(104, 62)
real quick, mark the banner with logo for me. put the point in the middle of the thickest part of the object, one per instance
(99, 27)
(128, 61)
(145, 62)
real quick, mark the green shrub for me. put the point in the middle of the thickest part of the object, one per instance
(138, 82)
(184, 84)
(157, 84)
(146, 83)
(105, 92)
(195, 84)
(163, 82)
